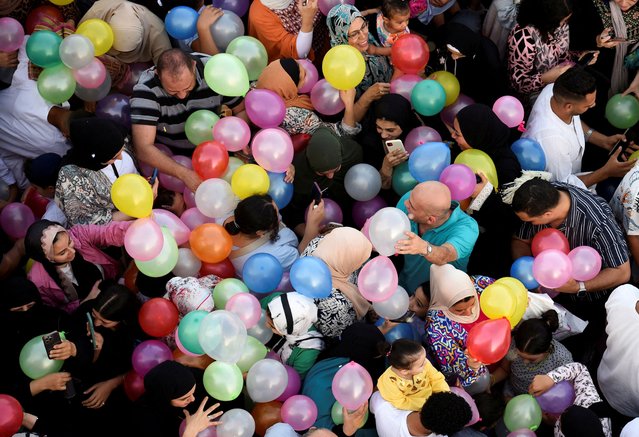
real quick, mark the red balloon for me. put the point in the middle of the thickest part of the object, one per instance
(266, 415)
(410, 54)
(300, 141)
(158, 317)
(11, 415)
(210, 159)
(549, 238)
(133, 385)
(488, 341)
(35, 17)
(224, 269)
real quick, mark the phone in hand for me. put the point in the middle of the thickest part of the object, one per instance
(316, 192)
(50, 340)
(392, 145)
(406, 318)
(92, 330)
(585, 59)
(154, 176)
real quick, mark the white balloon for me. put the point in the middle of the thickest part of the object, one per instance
(222, 335)
(362, 182)
(236, 423)
(76, 51)
(395, 306)
(228, 27)
(188, 264)
(266, 380)
(214, 198)
(387, 227)
(260, 331)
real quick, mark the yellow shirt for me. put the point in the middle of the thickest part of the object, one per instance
(410, 394)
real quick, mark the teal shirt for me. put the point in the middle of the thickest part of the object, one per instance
(460, 231)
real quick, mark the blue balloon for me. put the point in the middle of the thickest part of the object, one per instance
(522, 269)
(262, 273)
(530, 154)
(311, 277)
(181, 22)
(280, 191)
(402, 330)
(428, 97)
(428, 161)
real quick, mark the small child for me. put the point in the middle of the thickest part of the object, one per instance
(411, 378)
(391, 23)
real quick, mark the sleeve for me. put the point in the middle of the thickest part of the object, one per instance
(465, 236)
(145, 108)
(436, 378)
(111, 234)
(305, 121)
(391, 393)
(524, 77)
(267, 27)
(302, 360)
(287, 252)
(558, 162)
(6, 174)
(526, 231)
(303, 43)
(611, 244)
(577, 373)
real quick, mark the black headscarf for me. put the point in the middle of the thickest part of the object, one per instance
(578, 421)
(394, 107)
(292, 68)
(95, 141)
(167, 381)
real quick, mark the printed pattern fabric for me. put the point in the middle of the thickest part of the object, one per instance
(84, 196)
(304, 121)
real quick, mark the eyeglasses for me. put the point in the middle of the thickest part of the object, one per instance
(362, 30)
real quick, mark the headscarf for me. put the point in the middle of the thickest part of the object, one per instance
(189, 294)
(324, 151)
(395, 108)
(343, 260)
(275, 78)
(167, 381)
(95, 141)
(447, 287)
(578, 421)
(18, 291)
(44, 169)
(276, 4)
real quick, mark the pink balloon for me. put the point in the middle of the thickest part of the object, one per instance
(366, 228)
(189, 198)
(273, 149)
(509, 110)
(352, 385)
(449, 113)
(377, 281)
(233, 132)
(11, 34)
(149, 354)
(293, 386)
(525, 432)
(265, 108)
(404, 85)
(421, 135)
(300, 412)
(181, 347)
(332, 212)
(15, 219)
(325, 98)
(326, 5)
(143, 240)
(193, 218)
(460, 179)
(246, 307)
(586, 263)
(178, 229)
(552, 268)
(285, 283)
(92, 75)
(471, 403)
(312, 76)
(211, 431)
(273, 356)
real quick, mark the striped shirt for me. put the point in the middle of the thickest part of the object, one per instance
(152, 105)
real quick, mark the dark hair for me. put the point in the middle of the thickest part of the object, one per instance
(445, 413)
(543, 15)
(116, 303)
(534, 336)
(535, 197)
(574, 84)
(164, 199)
(394, 6)
(43, 170)
(253, 214)
(172, 61)
(490, 408)
(426, 289)
(402, 353)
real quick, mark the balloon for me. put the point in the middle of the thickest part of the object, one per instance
(135, 71)
(343, 67)
(488, 341)
(362, 182)
(460, 180)
(395, 306)
(226, 75)
(449, 113)
(249, 179)
(43, 48)
(586, 263)
(404, 85)
(311, 277)
(326, 99)
(300, 141)
(233, 132)
(224, 269)
(300, 412)
(93, 94)
(115, 107)
(549, 238)
(239, 7)
(522, 412)
(165, 261)
(35, 362)
(181, 22)
(143, 239)
(520, 294)
(56, 84)
(225, 29)
(214, 198)
(480, 385)
(92, 75)
(188, 331)
(272, 149)
(497, 301)
(428, 97)
(262, 273)
(11, 37)
(377, 281)
(210, 242)
(509, 110)
(178, 229)
(311, 78)
(530, 154)
(246, 307)
(187, 264)
(478, 161)
(173, 183)
(410, 54)
(133, 385)
(622, 111)
(337, 414)
(402, 180)
(366, 209)
(15, 219)
(61, 2)
(261, 331)
(557, 399)
(100, 34)
(199, 126)
(522, 269)
(193, 218)
(522, 433)
(266, 415)
(149, 354)
(266, 380)
(234, 164)
(450, 84)
(552, 268)
(279, 190)
(251, 52)
(223, 381)
(158, 317)
(11, 414)
(420, 135)
(326, 5)
(471, 403)
(211, 431)
(293, 385)
(236, 423)
(132, 194)
(37, 15)
(388, 226)
(332, 212)
(253, 352)
(352, 385)
(285, 283)
(76, 51)
(210, 159)
(428, 161)
(227, 288)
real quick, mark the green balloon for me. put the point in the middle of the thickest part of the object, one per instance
(402, 180)
(251, 52)
(223, 381)
(43, 48)
(226, 75)
(56, 84)
(622, 111)
(338, 415)
(199, 126)
(253, 352)
(188, 331)
(225, 289)
(522, 412)
(428, 97)
(165, 261)
(34, 361)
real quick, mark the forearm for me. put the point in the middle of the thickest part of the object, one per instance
(592, 178)
(155, 158)
(609, 278)
(205, 43)
(310, 232)
(303, 43)
(633, 244)
(361, 107)
(10, 261)
(349, 115)
(441, 255)
(595, 137)
(520, 248)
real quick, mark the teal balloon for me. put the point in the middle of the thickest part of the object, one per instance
(163, 263)
(223, 381)
(522, 412)
(428, 97)
(188, 331)
(43, 48)
(226, 75)
(622, 111)
(34, 361)
(56, 84)
(251, 52)
(254, 351)
(403, 181)
(227, 288)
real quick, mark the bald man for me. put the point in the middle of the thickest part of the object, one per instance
(441, 233)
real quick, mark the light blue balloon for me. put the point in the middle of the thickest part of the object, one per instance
(280, 191)
(311, 277)
(181, 22)
(262, 273)
(428, 161)
(530, 154)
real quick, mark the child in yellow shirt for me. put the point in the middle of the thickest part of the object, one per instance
(411, 378)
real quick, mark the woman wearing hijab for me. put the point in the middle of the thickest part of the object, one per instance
(69, 264)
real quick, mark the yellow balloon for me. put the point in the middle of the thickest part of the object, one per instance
(498, 301)
(634, 155)
(249, 179)
(133, 195)
(61, 2)
(521, 296)
(450, 84)
(344, 67)
(28, 265)
(479, 161)
(100, 34)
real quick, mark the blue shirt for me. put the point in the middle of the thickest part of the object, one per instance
(460, 231)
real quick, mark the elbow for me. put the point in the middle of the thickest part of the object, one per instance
(624, 273)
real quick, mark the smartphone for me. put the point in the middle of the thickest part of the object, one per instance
(585, 59)
(453, 49)
(154, 176)
(91, 330)
(50, 340)
(392, 145)
(316, 192)
(406, 318)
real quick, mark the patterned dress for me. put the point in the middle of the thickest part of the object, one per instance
(522, 372)
(305, 121)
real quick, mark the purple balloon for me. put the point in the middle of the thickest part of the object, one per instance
(15, 219)
(449, 113)
(557, 399)
(325, 98)
(525, 432)
(332, 212)
(238, 6)
(265, 108)
(404, 85)
(421, 135)
(193, 218)
(285, 283)
(293, 386)
(171, 182)
(131, 79)
(273, 356)
(149, 354)
(11, 34)
(115, 107)
(460, 180)
(312, 76)
(300, 412)
(326, 5)
(365, 210)
(586, 263)
(233, 132)
(189, 198)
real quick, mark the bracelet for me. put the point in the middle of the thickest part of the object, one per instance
(588, 134)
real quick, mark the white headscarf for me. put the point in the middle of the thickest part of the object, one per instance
(276, 4)
(447, 287)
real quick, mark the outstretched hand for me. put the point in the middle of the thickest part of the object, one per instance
(201, 419)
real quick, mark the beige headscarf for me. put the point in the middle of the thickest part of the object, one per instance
(447, 287)
(344, 250)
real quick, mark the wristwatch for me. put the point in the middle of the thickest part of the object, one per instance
(429, 249)
(582, 289)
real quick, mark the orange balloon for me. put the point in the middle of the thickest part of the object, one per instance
(266, 415)
(210, 243)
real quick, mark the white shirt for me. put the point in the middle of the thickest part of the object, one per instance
(563, 144)
(124, 166)
(55, 214)
(625, 200)
(390, 421)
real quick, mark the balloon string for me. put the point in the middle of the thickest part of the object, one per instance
(612, 150)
